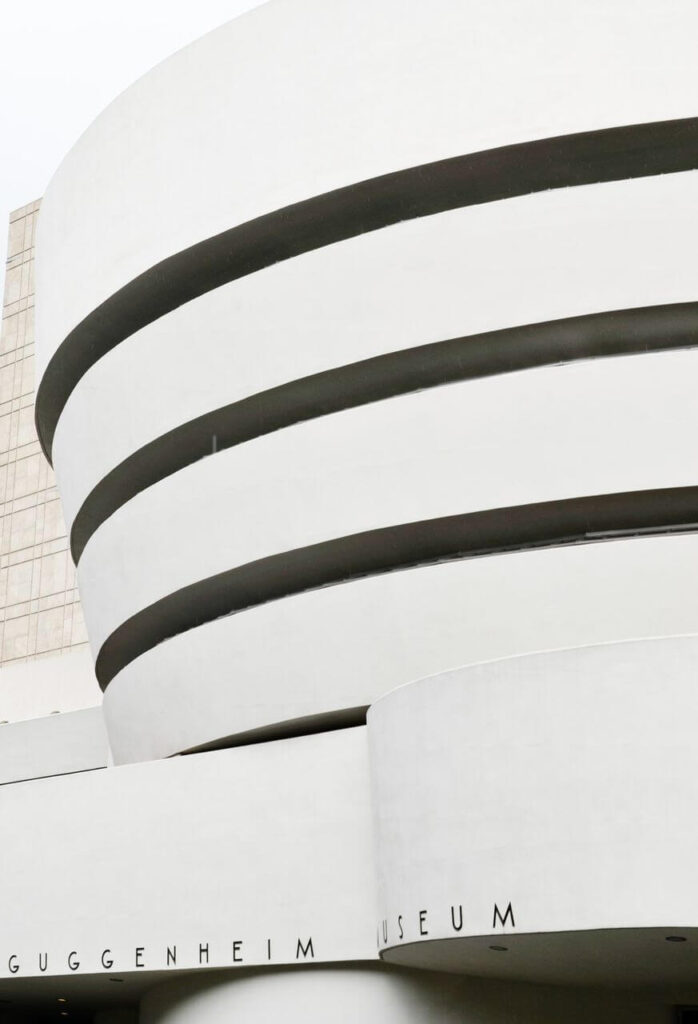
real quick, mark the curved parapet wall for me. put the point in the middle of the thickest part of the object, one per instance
(344, 995)
(234, 324)
(534, 815)
(235, 858)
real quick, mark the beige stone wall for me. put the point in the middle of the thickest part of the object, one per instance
(40, 612)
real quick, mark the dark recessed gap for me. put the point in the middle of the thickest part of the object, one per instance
(308, 725)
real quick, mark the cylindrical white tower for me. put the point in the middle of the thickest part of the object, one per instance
(330, 294)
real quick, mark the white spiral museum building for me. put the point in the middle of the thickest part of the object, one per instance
(366, 344)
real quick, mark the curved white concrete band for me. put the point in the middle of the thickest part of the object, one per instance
(525, 799)
(379, 994)
(537, 436)
(344, 646)
(335, 995)
(542, 257)
(342, 105)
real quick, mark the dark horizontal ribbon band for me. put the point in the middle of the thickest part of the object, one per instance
(406, 546)
(306, 725)
(610, 154)
(620, 332)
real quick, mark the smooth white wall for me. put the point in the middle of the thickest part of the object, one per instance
(34, 689)
(560, 783)
(57, 745)
(272, 841)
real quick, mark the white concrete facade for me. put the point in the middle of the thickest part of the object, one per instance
(367, 336)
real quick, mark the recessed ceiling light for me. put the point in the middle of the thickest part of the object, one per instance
(676, 938)
(62, 999)
(64, 1013)
(500, 949)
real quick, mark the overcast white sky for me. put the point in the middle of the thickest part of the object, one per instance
(63, 61)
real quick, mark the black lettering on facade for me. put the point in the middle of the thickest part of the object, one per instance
(384, 926)
(308, 948)
(422, 922)
(236, 950)
(268, 949)
(13, 964)
(172, 956)
(399, 924)
(457, 927)
(107, 961)
(497, 916)
(43, 964)
(140, 950)
(73, 962)
(203, 951)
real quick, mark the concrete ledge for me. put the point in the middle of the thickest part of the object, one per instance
(57, 745)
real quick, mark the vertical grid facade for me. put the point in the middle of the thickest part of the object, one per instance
(39, 607)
